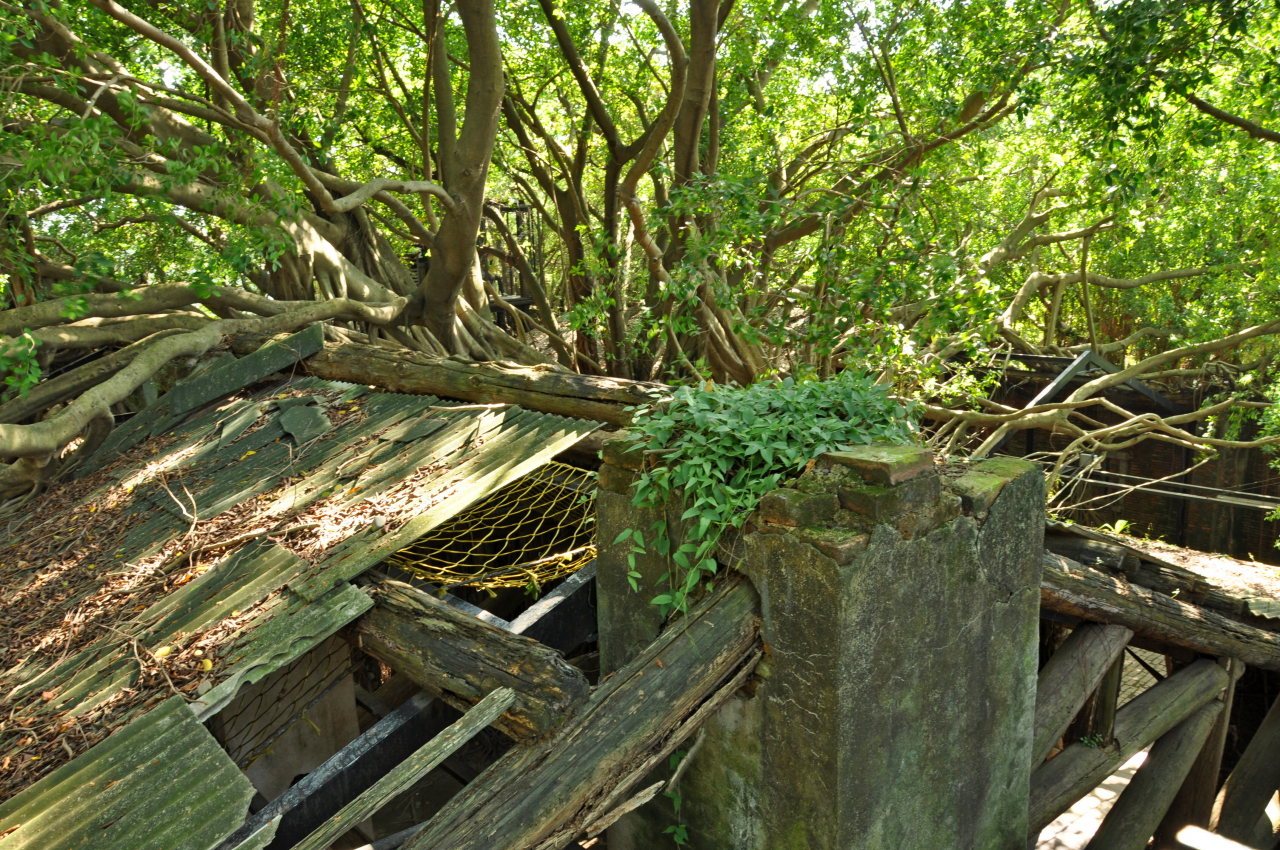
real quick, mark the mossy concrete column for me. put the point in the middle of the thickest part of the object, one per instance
(893, 709)
(627, 622)
(900, 610)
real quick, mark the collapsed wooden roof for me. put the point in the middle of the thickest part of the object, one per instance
(1178, 598)
(208, 545)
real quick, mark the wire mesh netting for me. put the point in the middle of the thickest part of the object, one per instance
(533, 531)
(265, 711)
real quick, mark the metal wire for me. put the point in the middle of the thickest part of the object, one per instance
(535, 530)
(260, 716)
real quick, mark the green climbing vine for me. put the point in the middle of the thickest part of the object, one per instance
(721, 448)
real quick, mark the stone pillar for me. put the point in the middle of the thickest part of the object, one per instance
(627, 622)
(893, 710)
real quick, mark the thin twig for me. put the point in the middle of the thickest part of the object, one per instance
(142, 668)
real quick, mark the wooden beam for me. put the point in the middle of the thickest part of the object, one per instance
(1069, 588)
(1193, 805)
(1067, 679)
(1255, 778)
(462, 659)
(1082, 550)
(1135, 816)
(543, 796)
(409, 771)
(1058, 783)
(532, 387)
(280, 353)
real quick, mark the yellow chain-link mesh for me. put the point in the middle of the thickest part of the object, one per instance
(535, 530)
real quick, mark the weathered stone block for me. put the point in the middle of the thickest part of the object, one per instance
(929, 516)
(825, 477)
(884, 464)
(793, 508)
(898, 712)
(977, 490)
(882, 503)
(840, 546)
(894, 708)
(1007, 468)
(616, 479)
(624, 449)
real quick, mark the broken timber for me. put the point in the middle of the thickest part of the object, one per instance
(402, 776)
(1067, 679)
(1078, 591)
(461, 659)
(1058, 783)
(543, 796)
(547, 389)
(1142, 804)
(1255, 778)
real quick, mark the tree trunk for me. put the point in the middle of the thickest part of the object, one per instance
(464, 170)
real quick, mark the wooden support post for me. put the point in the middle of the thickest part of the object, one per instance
(1077, 591)
(461, 659)
(1103, 720)
(1069, 676)
(1255, 778)
(1135, 816)
(1058, 783)
(1193, 805)
(544, 795)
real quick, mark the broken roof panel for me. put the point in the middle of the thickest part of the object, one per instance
(224, 540)
(162, 782)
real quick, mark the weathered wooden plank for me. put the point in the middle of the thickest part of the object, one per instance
(1088, 552)
(261, 837)
(533, 387)
(1077, 770)
(461, 659)
(1069, 588)
(1193, 804)
(542, 796)
(1255, 778)
(409, 771)
(1135, 816)
(240, 373)
(1068, 678)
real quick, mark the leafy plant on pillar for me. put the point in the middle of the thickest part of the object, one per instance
(717, 450)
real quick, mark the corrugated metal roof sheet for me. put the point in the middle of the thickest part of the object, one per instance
(161, 783)
(432, 458)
